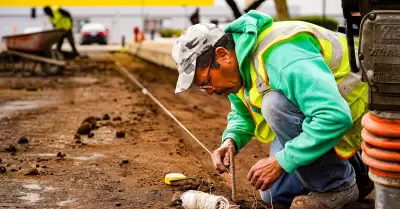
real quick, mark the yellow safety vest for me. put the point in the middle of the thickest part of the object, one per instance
(60, 21)
(334, 51)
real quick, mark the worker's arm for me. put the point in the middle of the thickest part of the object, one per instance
(306, 80)
(240, 126)
(65, 13)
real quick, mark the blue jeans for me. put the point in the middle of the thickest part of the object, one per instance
(328, 173)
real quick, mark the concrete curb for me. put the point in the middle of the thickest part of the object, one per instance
(156, 52)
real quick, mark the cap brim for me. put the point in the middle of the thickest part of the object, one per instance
(185, 78)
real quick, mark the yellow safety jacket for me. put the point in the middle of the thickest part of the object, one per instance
(60, 21)
(334, 51)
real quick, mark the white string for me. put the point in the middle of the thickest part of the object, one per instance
(146, 92)
(196, 199)
(256, 203)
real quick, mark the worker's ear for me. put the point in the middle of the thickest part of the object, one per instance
(222, 55)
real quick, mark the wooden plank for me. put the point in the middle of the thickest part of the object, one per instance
(37, 58)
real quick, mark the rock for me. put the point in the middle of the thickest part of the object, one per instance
(23, 140)
(118, 204)
(77, 136)
(115, 100)
(125, 161)
(129, 97)
(117, 118)
(32, 172)
(106, 117)
(91, 135)
(78, 141)
(85, 128)
(3, 169)
(91, 119)
(44, 166)
(195, 107)
(13, 170)
(11, 148)
(120, 134)
(60, 155)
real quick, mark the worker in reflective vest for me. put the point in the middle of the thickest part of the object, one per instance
(61, 19)
(289, 84)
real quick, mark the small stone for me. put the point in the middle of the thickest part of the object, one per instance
(117, 118)
(129, 97)
(77, 136)
(254, 156)
(91, 135)
(32, 172)
(118, 204)
(125, 161)
(84, 128)
(120, 134)
(181, 140)
(3, 169)
(195, 107)
(11, 148)
(13, 170)
(115, 100)
(37, 165)
(60, 155)
(44, 166)
(106, 117)
(23, 140)
(78, 141)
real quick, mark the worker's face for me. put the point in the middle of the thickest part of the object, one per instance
(223, 80)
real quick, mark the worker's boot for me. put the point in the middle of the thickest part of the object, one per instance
(326, 200)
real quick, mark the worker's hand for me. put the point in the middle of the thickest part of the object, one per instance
(264, 173)
(221, 158)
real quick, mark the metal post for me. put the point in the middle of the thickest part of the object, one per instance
(323, 13)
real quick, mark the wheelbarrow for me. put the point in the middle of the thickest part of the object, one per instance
(33, 52)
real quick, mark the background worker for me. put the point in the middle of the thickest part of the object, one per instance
(289, 83)
(62, 19)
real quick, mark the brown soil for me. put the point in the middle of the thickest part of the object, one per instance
(106, 170)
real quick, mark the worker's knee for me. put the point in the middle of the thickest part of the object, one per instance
(276, 107)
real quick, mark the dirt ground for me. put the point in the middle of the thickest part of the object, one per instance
(101, 169)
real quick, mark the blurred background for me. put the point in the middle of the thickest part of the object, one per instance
(158, 19)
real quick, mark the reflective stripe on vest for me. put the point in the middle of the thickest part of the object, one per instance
(289, 30)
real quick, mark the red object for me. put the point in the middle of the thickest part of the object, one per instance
(101, 33)
(85, 33)
(381, 148)
(138, 35)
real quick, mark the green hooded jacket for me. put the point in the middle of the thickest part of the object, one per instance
(296, 68)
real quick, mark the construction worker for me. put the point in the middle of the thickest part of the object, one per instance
(289, 83)
(61, 19)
